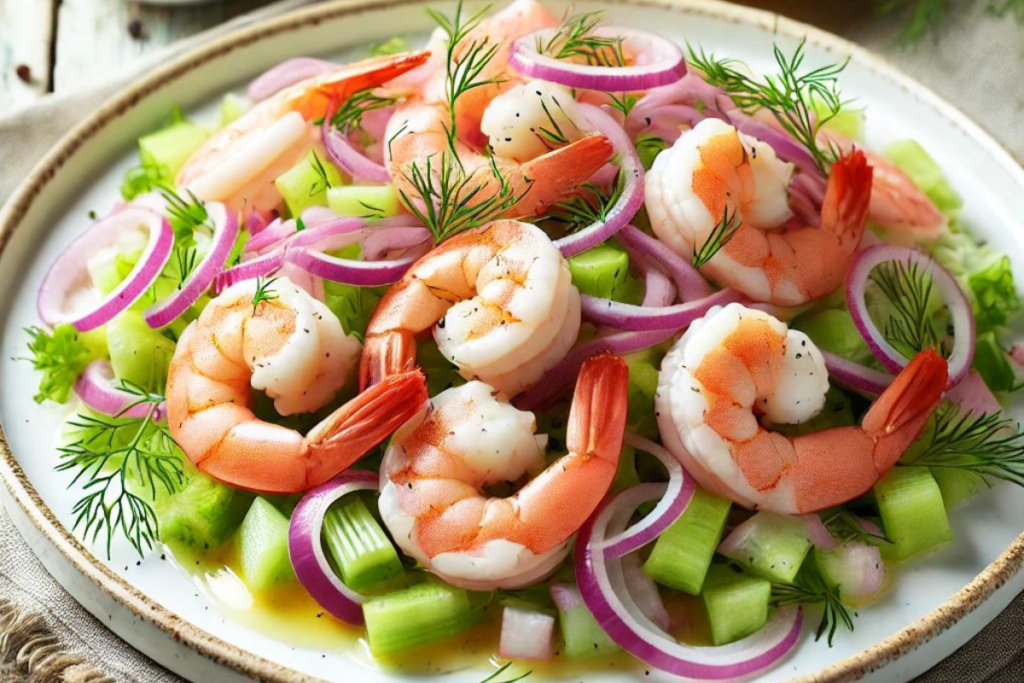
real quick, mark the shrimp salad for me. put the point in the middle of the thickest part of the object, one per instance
(555, 336)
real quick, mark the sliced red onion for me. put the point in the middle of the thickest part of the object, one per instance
(304, 251)
(662, 62)
(225, 232)
(95, 388)
(526, 634)
(632, 192)
(859, 569)
(69, 272)
(562, 377)
(960, 309)
(863, 380)
(258, 221)
(345, 155)
(307, 552)
(658, 289)
(785, 147)
(622, 619)
(677, 496)
(818, 534)
(690, 284)
(644, 591)
(288, 72)
(276, 232)
(640, 318)
(260, 266)
(380, 243)
(974, 396)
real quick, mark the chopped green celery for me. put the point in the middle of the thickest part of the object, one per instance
(913, 160)
(838, 412)
(364, 201)
(231, 108)
(138, 353)
(358, 547)
(844, 569)
(683, 552)
(957, 486)
(985, 274)
(392, 46)
(202, 515)
(833, 330)
(582, 636)
(993, 364)
(643, 384)
(306, 183)
(736, 603)
(263, 547)
(416, 616)
(599, 271)
(769, 545)
(913, 513)
(848, 121)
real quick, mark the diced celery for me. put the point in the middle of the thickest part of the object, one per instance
(263, 547)
(232, 107)
(683, 552)
(913, 514)
(736, 603)
(845, 569)
(368, 201)
(306, 183)
(169, 148)
(769, 545)
(138, 353)
(582, 636)
(359, 548)
(418, 615)
(599, 271)
(644, 368)
(202, 515)
(913, 160)
(957, 486)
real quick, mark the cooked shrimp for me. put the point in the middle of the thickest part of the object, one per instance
(737, 367)
(771, 257)
(500, 299)
(293, 348)
(435, 470)
(240, 162)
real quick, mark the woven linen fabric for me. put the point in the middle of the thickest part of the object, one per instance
(974, 61)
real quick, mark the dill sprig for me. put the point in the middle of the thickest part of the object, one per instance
(493, 678)
(322, 182)
(589, 206)
(810, 588)
(349, 115)
(108, 455)
(552, 137)
(718, 238)
(624, 102)
(908, 287)
(987, 445)
(263, 292)
(845, 527)
(185, 216)
(577, 38)
(454, 200)
(790, 95)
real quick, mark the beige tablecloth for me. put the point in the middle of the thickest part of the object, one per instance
(975, 61)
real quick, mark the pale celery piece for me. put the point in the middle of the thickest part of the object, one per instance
(306, 183)
(138, 353)
(683, 552)
(169, 148)
(263, 547)
(913, 513)
(774, 549)
(736, 603)
(364, 201)
(358, 547)
(600, 271)
(419, 615)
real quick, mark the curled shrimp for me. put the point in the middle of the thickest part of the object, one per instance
(293, 348)
(240, 162)
(435, 470)
(499, 298)
(738, 366)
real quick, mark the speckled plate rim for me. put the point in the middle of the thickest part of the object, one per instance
(24, 494)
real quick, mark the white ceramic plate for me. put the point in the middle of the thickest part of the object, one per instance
(935, 605)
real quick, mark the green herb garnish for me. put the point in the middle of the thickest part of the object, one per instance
(845, 527)
(322, 183)
(810, 589)
(263, 292)
(493, 678)
(61, 356)
(589, 206)
(720, 236)
(908, 287)
(577, 38)
(349, 115)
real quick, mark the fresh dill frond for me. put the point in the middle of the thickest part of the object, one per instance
(551, 136)
(720, 236)
(987, 445)
(845, 527)
(322, 182)
(624, 102)
(372, 212)
(493, 678)
(589, 206)
(908, 287)
(349, 115)
(810, 588)
(61, 356)
(790, 95)
(921, 15)
(185, 217)
(577, 38)
(454, 200)
(146, 177)
(109, 455)
(263, 292)
(396, 134)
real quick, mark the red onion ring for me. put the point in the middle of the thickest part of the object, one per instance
(785, 147)
(275, 232)
(678, 493)
(960, 309)
(307, 553)
(690, 284)
(861, 379)
(640, 318)
(818, 534)
(261, 266)
(69, 270)
(632, 192)
(288, 72)
(94, 387)
(621, 618)
(644, 591)
(379, 243)
(225, 232)
(663, 63)
(344, 154)
(303, 250)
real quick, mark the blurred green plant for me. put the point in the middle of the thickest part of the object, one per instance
(923, 16)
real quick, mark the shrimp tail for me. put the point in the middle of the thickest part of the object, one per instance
(597, 420)
(559, 173)
(351, 431)
(847, 197)
(386, 354)
(896, 418)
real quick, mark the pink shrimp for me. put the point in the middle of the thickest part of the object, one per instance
(295, 349)
(435, 471)
(738, 366)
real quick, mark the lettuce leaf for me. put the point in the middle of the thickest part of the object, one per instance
(985, 275)
(911, 158)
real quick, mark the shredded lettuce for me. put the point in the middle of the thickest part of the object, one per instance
(60, 356)
(985, 275)
(993, 364)
(911, 158)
